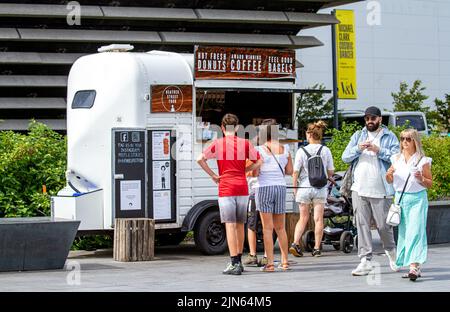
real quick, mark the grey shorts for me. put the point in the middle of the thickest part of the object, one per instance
(271, 199)
(233, 209)
(311, 195)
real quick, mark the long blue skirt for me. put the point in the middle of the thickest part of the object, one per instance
(412, 231)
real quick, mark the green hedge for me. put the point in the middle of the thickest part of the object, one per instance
(436, 147)
(27, 162)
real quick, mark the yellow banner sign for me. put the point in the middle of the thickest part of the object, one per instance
(346, 54)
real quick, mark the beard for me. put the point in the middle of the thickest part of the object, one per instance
(373, 126)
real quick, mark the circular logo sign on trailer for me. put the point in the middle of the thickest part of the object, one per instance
(171, 98)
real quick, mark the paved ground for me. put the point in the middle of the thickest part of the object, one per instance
(182, 268)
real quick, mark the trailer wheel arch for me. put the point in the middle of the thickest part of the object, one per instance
(209, 232)
(196, 212)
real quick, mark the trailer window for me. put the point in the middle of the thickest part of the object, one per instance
(84, 99)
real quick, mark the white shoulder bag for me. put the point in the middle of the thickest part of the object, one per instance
(395, 211)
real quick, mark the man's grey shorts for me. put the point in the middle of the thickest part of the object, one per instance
(233, 209)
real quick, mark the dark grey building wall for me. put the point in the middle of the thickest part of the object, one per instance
(38, 45)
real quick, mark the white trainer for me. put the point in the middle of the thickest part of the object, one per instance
(392, 256)
(363, 268)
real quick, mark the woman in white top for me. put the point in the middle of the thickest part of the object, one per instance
(271, 192)
(412, 236)
(305, 194)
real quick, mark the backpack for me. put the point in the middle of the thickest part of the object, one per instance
(316, 172)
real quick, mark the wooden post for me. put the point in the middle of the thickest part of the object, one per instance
(134, 240)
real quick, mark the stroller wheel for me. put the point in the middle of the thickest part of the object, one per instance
(308, 240)
(346, 242)
(337, 246)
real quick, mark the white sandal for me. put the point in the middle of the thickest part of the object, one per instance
(413, 274)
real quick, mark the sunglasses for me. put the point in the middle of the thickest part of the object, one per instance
(370, 118)
(407, 139)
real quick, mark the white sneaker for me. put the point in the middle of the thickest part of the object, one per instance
(363, 268)
(392, 260)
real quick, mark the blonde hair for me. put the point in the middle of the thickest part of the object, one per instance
(315, 129)
(413, 134)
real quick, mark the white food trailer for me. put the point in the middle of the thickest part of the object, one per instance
(136, 123)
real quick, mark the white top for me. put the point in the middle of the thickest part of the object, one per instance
(270, 172)
(403, 168)
(367, 178)
(301, 162)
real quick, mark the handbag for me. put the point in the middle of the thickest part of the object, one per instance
(395, 210)
(394, 214)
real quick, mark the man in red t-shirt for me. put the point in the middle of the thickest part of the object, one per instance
(231, 153)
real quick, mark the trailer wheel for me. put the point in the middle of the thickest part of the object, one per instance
(209, 234)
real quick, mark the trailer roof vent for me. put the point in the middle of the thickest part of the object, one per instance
(116, 48)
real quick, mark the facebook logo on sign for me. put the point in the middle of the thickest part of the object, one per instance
(124, 137)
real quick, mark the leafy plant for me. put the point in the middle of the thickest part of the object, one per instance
(92, 242)
(412, 99)
(339, 141)
(311, 107)
(27, 162)
(443, 113)
(438, 148)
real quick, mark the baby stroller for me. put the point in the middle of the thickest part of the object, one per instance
(339, 230)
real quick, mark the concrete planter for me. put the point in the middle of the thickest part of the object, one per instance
(35, 243)
(438, 222)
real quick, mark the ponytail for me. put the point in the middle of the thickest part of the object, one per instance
(316, 129)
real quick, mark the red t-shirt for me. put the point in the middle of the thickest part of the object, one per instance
(231, 153)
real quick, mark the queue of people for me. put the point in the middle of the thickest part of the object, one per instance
(383, 171)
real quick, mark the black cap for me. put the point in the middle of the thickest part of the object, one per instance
(372, 111)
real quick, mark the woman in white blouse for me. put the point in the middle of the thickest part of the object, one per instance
(271, 192)
(412, 236)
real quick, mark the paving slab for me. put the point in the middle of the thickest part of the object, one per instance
(183, 268)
